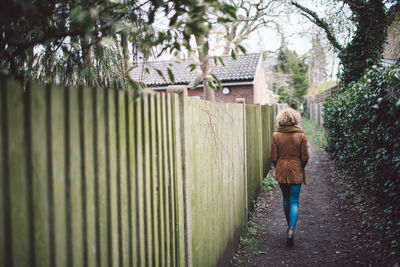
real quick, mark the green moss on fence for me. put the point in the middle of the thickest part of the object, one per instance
(93, 176)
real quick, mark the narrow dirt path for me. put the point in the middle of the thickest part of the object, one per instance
(326, 234)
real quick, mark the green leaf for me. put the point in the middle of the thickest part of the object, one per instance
(224, 20)
(171, 75)
(192, 67)
(242, 49)
(233, 54)
(229, 10)
(160, 73)
(211, 85)
(98, 51)
(147, 70)
(205, 49)
(77, 14)
(221, 61)
(218, 81)
(196, 82)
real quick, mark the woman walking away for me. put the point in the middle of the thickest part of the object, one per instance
(289, 154)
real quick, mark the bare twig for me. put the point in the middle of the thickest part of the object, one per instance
(314, 18)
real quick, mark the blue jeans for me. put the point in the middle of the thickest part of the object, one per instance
(291, 193)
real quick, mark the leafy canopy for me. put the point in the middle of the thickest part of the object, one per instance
(292, 71)
(94, 42)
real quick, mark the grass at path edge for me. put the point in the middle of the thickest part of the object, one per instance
(315, 133)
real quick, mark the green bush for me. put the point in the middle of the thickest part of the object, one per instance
(270, 184)
(363, 133)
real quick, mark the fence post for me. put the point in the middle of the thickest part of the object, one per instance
(321, 114)
(180, 123)
(260, 140)
(243, 102)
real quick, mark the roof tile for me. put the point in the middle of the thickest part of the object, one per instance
(241, 69)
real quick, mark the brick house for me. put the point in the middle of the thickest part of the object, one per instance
(240, 78)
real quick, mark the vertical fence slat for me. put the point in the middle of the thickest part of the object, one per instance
(112, 179)
(166, 175)
(147, 181)
(210, 186)
(154, 181)
(245, 155)
(270, 125)
(179, 203)
(39, 175)
(222, 212)
(161, 203)
(272, 120)
(260, 141)
(57, 132)
(139, 183)
(265, 138)
(17, 176)
(171, 184)
(100, 151)
(251, 160)
(230, 181)
(132, 219)
(90, 199)
(81, 117)
(3, 183)
(123, 185)
(75, 179)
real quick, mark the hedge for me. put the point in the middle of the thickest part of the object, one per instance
(363, 134)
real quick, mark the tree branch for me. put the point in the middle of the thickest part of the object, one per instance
(314, 18)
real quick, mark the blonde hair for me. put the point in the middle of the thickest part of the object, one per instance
(288, 117)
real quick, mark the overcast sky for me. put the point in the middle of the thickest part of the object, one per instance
(298, 33)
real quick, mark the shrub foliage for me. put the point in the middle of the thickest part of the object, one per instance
(363, 128)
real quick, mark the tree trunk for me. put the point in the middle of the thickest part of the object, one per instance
(205, 69)
(227, 47)
(125, 51)
(86, 57)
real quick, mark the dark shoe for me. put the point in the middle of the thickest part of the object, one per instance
(290, 238)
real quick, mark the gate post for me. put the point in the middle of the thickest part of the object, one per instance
(242, 101)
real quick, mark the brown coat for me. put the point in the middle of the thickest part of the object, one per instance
(289, 154)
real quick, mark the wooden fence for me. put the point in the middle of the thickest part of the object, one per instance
(254, 150)
(92, 177)
(215, 160)
(315, 104)
(316, 113)
(268, 115)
